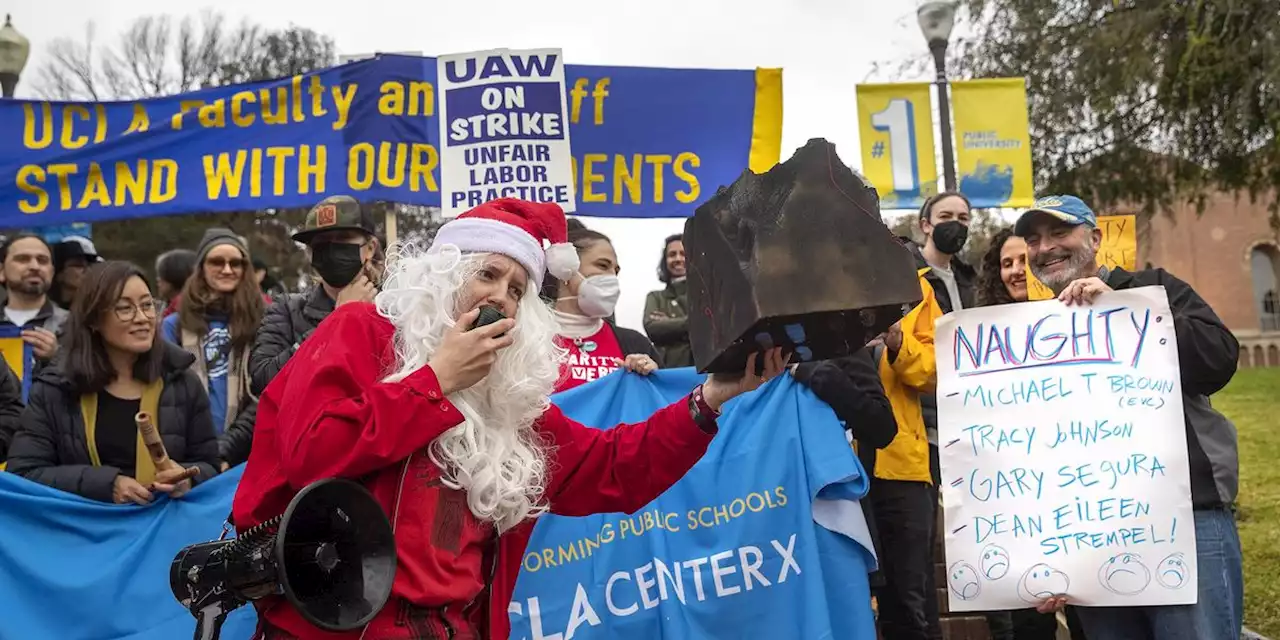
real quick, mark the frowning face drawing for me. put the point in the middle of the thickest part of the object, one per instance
(1124, 574)
(995, 562)
(1173, 572)
(963, 580)
(1041, 582)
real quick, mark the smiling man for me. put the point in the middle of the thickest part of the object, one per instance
(28, 274)
(1063, 237)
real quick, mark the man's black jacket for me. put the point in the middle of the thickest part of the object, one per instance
(10, 407)
(851, 386)
(285, 325)
(1208, 354)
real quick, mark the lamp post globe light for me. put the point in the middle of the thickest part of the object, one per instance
(14, 50)
(936, 21)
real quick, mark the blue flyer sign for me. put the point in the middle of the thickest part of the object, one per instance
(503, 129)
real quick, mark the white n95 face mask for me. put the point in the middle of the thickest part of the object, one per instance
(598, 295)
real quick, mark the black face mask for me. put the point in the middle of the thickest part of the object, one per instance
(338, 263)
(949, 237)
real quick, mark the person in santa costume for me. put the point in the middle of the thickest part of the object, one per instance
(451, 429)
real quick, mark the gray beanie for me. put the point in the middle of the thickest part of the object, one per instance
(218, 236)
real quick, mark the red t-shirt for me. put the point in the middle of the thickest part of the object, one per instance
(590, 358)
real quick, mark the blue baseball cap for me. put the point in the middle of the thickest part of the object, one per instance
(1069, 209)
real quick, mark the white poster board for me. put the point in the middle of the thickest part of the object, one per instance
(504, 129)
(1064, 454)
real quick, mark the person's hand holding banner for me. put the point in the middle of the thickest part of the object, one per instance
(44, 343)
(720, 388)
(640, 363)
(126, 490)
(1083, 291)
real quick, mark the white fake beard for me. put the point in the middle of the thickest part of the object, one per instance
(495, 455)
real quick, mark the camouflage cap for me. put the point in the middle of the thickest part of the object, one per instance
(335, 213)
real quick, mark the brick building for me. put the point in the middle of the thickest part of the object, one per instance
(1231, 255)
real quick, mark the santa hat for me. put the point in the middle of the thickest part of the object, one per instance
(534, 234)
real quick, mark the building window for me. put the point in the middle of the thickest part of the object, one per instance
(1264, 267)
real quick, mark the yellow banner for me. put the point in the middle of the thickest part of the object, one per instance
(14, 351)
(993, 143)
(895, 125)
(1119, 249)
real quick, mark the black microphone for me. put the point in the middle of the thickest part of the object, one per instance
(489, 314)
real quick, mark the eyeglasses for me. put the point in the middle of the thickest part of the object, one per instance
(220, 263)
(127, 312)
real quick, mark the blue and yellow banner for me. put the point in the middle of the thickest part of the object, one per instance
(646, 143)
(993, 143)
(895, 126)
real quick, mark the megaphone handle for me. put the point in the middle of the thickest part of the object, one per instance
(209, 621)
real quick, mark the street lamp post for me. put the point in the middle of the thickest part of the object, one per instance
(14, 50)
(936, 20)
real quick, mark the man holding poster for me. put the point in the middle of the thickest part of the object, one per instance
(503, 129)
(1075, 481)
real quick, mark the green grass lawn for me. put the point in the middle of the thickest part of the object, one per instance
(1252, 401)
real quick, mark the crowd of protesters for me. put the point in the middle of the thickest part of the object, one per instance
(199, 347)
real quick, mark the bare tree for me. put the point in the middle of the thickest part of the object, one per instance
(71, 72)
(156, 57)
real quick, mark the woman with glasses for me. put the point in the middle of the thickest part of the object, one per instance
(216, 322)
(78, 432)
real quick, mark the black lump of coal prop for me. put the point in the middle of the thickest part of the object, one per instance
(797, 258)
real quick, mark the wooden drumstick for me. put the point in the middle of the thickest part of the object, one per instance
(155, 446)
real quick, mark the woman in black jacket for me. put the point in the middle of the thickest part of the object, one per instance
(78, 432)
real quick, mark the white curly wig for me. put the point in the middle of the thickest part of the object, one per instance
(495, 455)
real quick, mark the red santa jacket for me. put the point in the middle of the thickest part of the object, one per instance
(329, 414)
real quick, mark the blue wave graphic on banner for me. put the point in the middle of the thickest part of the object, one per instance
(990, 185)
(646, 143)
(733, 550)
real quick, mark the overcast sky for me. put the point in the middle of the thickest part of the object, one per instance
(825, 47)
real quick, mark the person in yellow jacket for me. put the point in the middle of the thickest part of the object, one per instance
(903, 497)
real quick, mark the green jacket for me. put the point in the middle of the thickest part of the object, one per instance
(666, 320)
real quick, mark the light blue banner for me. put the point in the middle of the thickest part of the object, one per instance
(75, 569)
(734, 550)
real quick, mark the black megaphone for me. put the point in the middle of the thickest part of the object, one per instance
(331, 554)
